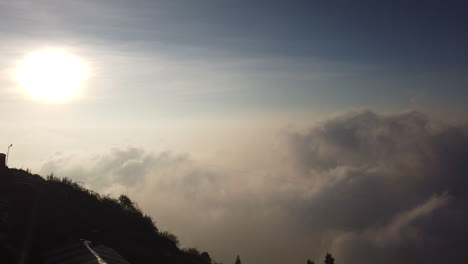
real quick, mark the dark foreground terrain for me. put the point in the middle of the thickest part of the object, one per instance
(38, 215)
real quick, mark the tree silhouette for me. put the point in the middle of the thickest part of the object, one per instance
(64, 212)
(329, 259)
(127, 203)
(238, 261)
(206, 257)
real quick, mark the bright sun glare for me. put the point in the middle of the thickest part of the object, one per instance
(51, 75)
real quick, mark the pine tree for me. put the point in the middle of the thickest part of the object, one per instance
(329, 259)
(238, 261)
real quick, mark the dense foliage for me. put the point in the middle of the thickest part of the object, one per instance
(45, 213)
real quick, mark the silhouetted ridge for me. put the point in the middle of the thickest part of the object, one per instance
(37, 215)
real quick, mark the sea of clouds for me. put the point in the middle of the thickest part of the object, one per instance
(368, 187)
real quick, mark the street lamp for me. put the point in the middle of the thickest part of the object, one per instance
(8, 153)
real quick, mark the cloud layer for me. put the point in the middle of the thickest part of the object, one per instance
(370, 188)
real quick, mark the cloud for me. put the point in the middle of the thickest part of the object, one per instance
(368, 187)
(383, 179)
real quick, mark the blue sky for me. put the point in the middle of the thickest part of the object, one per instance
(278, 54)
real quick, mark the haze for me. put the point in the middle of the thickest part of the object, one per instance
(273, 130)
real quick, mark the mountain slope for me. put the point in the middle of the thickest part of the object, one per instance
(40, 214)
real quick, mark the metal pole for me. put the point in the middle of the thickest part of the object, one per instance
(8, 153)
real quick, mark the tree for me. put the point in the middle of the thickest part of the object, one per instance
(126, 202)
(129, 205)
(329, 259)
(206, 257)
(170, 237)
(238, 261)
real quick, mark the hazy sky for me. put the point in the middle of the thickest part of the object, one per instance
(276, 130)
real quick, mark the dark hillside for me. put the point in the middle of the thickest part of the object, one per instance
(39, 214)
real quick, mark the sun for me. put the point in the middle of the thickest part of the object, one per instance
(51, 75)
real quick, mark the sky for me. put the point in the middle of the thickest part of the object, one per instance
(273, 130)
